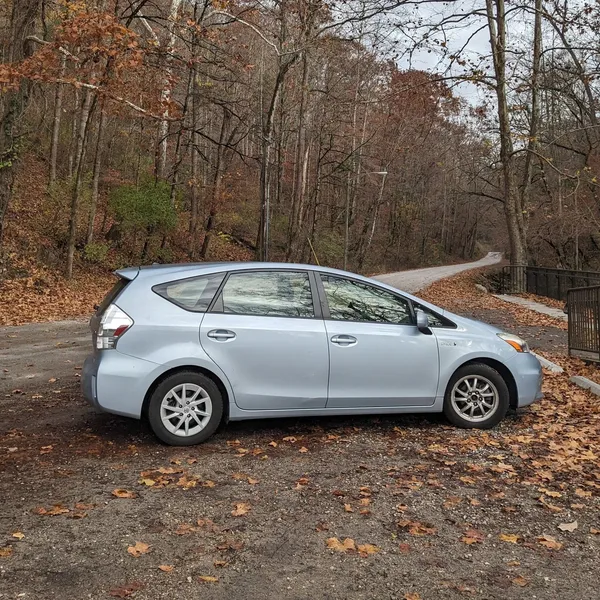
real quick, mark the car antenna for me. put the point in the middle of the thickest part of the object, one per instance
(313, 251)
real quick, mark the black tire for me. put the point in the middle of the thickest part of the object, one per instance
(492, 376)
(171, 382)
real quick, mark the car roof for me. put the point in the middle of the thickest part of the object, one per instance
(162, 273)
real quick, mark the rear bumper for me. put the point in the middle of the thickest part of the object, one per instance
(528, 376)
(116, 383)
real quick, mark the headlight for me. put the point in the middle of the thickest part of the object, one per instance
(519, 344)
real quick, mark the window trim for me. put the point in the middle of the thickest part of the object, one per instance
(327, 314)
(451, 324)
(216, 306)
(183, 280)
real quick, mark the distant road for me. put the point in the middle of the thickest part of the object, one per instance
(413, 281)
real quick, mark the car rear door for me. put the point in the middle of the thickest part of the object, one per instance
(378, 357)
(266, 333)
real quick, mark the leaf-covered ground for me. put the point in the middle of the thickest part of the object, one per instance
(377, 507)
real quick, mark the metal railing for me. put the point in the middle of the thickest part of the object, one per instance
(584, 322)
(552, 283)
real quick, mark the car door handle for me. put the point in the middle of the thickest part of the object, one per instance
(343, 340)
(221, 335)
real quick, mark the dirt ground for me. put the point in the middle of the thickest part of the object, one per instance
(379, 507)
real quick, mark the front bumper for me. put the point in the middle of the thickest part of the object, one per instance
(117, 383)
(528, 375)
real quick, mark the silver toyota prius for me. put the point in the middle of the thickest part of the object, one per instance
(190, 346)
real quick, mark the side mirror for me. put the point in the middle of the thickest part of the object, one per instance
(422, 322)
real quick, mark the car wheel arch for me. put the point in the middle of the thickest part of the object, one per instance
(189, 368)
(502, 369)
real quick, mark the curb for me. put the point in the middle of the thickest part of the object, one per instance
(586, 384)
(549, 365)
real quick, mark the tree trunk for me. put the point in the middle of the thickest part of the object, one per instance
(96, 174)
(81, 137)
(14, 102)
(58, 98)
(512, 209)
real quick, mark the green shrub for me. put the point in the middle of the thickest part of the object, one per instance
(96, 252)
(147, 207)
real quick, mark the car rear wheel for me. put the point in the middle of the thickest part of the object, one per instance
(477, 397)
(185, 409)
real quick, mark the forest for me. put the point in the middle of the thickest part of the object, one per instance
(139, 131)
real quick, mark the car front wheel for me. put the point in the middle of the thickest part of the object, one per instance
(185, 409)
(477, 397)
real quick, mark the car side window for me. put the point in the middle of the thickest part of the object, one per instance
(268, 294)
(435, 320)
(195, 293)
(351, 300)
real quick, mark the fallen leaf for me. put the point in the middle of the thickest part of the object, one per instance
(184, 529)
(334, 544)
(348, 508)
(549, 542)
(520, 580)
(83, 506)
(452, 501)
(273, 444)
(220, 563)
(52, 380)
(241, 508)
(411, 596)
(208, 483)
(568, 526)
(139, 549)
(303, 449)
(208, 579)
(253, 481)
(166, 568)
(121, 493)
(582, 493)
(46, 449)
(290, 438)
(404, 548)
(594, 531)
(126, 590)
(512, 538)
(18, 535)
(366, 549)
(5, 552)
(57, 509)
(473, 536)
(146, 481)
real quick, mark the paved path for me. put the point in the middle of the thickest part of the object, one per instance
(556, 313)
(413, 281)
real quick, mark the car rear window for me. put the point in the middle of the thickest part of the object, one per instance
(116, 289)
(195, 293)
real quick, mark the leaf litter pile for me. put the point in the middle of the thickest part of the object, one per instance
(366, 507)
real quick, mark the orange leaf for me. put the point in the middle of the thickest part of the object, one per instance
(473, 536)
(513, 538)
(121, 493)
(366, 549)
(241, 508)
(208, 579)
(335, 544)
(5, 552)
(520, 580)
(139, 549)
(166, 568)
(348, 508)
(549, 542)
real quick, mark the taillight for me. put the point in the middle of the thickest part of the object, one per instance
(114, 324)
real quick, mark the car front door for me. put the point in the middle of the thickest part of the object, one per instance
(267, 335)
(378, 357)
